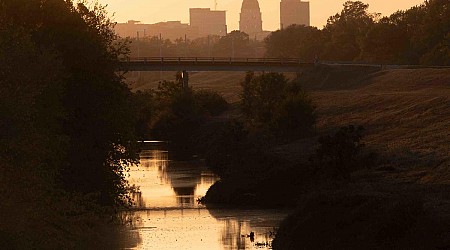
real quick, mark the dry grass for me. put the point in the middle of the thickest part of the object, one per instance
(407, 116)
(225, 83)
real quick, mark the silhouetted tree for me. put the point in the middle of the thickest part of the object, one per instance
(66, 123)
(85, 102)
(270, 101)
(295, 41)
(345, 31)
(234, 44)
(415, 36)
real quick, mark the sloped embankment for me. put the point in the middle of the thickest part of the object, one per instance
(404, 202)
(407, 116)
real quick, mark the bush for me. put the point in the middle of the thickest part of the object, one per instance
(211, 102)
(261, 94)
(339, 153)
(225, 146)
(174, 113)
(294, 116)
(271, 102)
(176, 118)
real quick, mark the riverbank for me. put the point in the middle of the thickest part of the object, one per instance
(406, 116)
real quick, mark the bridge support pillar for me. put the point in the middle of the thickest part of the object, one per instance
(185, 79)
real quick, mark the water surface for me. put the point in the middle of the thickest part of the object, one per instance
(167, 216)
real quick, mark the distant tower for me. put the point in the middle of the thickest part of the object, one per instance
(294, 12)
(251, 21)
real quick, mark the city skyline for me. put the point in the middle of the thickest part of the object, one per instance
(160, 11)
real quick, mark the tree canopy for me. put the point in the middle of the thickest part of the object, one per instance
(419, 35)
(72, 112)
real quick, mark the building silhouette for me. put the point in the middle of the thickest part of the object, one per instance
(208, 22)
(167, 30)
(250, 19)
(294, 12)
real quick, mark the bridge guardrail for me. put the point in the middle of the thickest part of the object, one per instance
(268, 61)
(215, 60)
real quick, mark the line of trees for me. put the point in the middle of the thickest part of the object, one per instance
(420, 35)
(234, 44)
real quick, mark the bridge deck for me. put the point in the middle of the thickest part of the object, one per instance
(214, 64)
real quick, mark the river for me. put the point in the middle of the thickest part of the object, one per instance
(166, 214)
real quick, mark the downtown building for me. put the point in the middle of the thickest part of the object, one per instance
(294, 12)
(250, 18)
(208, 22)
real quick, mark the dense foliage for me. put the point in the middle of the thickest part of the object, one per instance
(419, 35)
(235, 44)
(67, 121)
(338, 153)
(174, 113)
(272, 102)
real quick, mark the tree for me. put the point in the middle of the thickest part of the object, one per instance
(234, 44)
(270, 101)
(296, 41)
(261, 94)
(345, 31)
(430, 38)
(89, 104)
(66, 123)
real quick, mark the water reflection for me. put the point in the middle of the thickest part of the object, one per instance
(163, 183)
(238, 226)
(167, 215)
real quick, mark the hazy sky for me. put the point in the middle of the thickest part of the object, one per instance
(153, 11)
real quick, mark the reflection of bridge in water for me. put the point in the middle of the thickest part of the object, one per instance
(215, 64)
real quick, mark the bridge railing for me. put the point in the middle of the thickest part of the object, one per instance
(215, 60)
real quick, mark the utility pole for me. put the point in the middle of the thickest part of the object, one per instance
(160, 56)
(185, 46)
(160, 45)
(138, 52)
(209, 46)
(232, 47)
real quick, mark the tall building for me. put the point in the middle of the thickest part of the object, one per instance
(251, 20)
(208, 22)
(294, 12)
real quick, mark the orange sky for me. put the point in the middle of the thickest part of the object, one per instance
(152, 11)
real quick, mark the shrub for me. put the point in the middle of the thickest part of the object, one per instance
(211, 102)
(225, 146)
(294, 116)
(176, 118)
(261, 94)
(338, 153)
(271, 102)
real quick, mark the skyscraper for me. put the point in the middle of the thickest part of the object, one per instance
(208, 22)
(250, 21)
(294, 12)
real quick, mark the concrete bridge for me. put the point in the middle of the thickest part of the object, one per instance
(214, 64)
